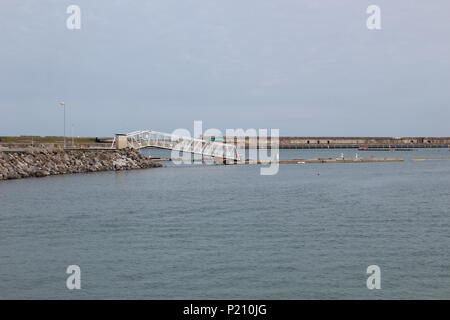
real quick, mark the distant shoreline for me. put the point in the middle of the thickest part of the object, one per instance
(14, 142)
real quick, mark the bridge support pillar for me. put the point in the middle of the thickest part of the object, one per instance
(121, 141)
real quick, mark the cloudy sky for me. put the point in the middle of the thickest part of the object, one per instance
(306, 67)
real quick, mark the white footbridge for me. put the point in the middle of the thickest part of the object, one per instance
(155, 139)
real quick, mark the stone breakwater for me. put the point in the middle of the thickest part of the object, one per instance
(16, 165)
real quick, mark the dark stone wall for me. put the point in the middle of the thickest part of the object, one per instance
(16, 165)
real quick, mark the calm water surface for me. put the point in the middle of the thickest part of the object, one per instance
(224, 232)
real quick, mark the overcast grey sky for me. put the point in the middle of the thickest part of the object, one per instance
(306, 67)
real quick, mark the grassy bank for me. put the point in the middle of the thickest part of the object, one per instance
(49, 139)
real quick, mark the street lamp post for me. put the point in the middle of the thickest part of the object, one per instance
(63, 104)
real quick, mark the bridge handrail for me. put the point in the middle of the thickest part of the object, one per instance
(142, 138)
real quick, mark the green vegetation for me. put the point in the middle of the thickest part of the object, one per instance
(37, 139)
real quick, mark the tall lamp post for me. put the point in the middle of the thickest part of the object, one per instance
(71, 133)
(63, 104)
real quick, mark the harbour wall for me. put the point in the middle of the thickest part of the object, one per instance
(284, 143)
(344, 142)
(24, 164)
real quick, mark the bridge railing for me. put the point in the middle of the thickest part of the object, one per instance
(148, 138)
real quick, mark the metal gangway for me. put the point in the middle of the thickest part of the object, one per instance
(149, 138)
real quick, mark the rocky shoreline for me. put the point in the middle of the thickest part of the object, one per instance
(42, 163)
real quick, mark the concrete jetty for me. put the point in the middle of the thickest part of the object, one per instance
(438, 159)
(328, 160)
(294, 161)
